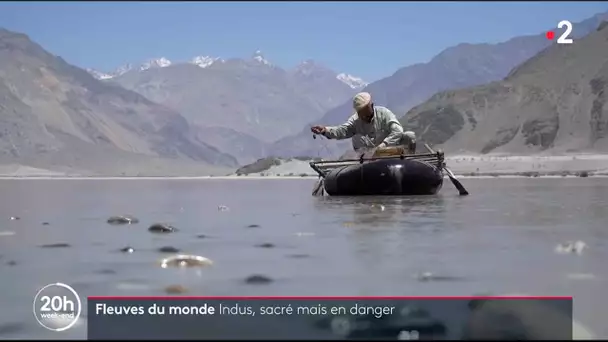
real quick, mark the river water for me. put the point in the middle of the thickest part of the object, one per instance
(501, 239)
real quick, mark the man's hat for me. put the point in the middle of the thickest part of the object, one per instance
(361, 100)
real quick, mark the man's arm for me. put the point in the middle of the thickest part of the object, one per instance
(396, 130)
(344, 131)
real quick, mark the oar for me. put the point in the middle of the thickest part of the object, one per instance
(456, 182)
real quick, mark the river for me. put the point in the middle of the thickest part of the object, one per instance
(501, 239)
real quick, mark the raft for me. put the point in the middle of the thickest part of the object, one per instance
(384, 177)
(402, 175)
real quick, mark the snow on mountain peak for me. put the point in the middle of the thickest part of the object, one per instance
(122, 70)
(352, 81)
(306, 68)
(99, 75)
(155, 63)
(260, 58)
(204, 61)
(106, 76)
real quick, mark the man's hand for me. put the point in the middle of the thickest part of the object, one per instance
(318, 129)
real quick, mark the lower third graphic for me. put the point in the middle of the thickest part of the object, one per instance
(57, 307)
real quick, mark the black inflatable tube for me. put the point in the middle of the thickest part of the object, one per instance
(384, 177)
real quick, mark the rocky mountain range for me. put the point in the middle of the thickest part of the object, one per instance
(525, 95)
(204, 62)
(56, 116)
(456, 67)
(256, 101)
(553, 103)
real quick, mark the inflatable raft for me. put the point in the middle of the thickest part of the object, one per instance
(403, 175)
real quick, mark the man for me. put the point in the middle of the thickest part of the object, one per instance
(371, 127)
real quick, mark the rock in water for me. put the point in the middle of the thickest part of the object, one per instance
(298, 256)
(182, 260)
(56, 245)
(175, 289)
(127, 249)
(258, 279)
(162, 228)
(168, 249)
(571, 247)
(265, 245)
(117, 220)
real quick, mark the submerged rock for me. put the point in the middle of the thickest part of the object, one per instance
(14, 218)
(298, 256)
(428, 276)
(571, 247)
(127, 249)
(106, 271)
(175, 289)
(56, 245)
(162, 228)
(117, 220)
(168, 249)
(379, 207)
(183, 260)
(265, 245)
(258, 279)
(11, 328)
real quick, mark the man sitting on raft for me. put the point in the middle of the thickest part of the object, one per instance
(370, 127)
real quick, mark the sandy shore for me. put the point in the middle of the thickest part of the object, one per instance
(543, 165)
(463, 166)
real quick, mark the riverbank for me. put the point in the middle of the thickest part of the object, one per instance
(591, 165)
(485, 166)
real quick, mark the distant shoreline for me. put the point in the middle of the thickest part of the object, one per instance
(464, 166)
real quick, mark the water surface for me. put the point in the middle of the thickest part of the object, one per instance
(498, 240)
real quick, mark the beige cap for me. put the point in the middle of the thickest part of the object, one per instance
(361, 100)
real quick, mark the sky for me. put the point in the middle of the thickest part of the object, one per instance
(366, 39)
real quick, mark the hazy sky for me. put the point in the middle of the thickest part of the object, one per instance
(367, 39)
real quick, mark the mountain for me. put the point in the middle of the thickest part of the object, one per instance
(245, 148)
(252, 98)
(354, 82)
(56, 116)
(456, 67)
(204, 61)
(555, 102)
